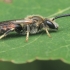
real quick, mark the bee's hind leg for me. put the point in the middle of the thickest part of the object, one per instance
(6, 33)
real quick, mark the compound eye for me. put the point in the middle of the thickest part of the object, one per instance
(50, 24)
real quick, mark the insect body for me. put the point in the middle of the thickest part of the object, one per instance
(29, 25)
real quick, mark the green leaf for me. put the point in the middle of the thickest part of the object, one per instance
(40, 46)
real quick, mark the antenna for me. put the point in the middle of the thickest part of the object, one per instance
(60, 16)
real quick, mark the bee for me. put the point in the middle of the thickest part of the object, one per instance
(30, 25)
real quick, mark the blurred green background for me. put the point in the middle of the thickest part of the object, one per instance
(36, 65)
(23, 8)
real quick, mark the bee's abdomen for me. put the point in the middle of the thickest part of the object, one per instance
(4, 26)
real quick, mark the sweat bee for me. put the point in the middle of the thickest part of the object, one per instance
(29, 25)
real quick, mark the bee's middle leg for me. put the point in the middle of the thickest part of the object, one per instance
(27, 34)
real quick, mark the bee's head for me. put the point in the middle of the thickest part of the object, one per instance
(51, 24)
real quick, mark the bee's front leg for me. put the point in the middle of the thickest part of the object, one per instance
(47, 32)
(6, 33)
(27, 34)
(46, 29)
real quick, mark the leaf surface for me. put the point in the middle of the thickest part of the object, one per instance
(40, 46)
